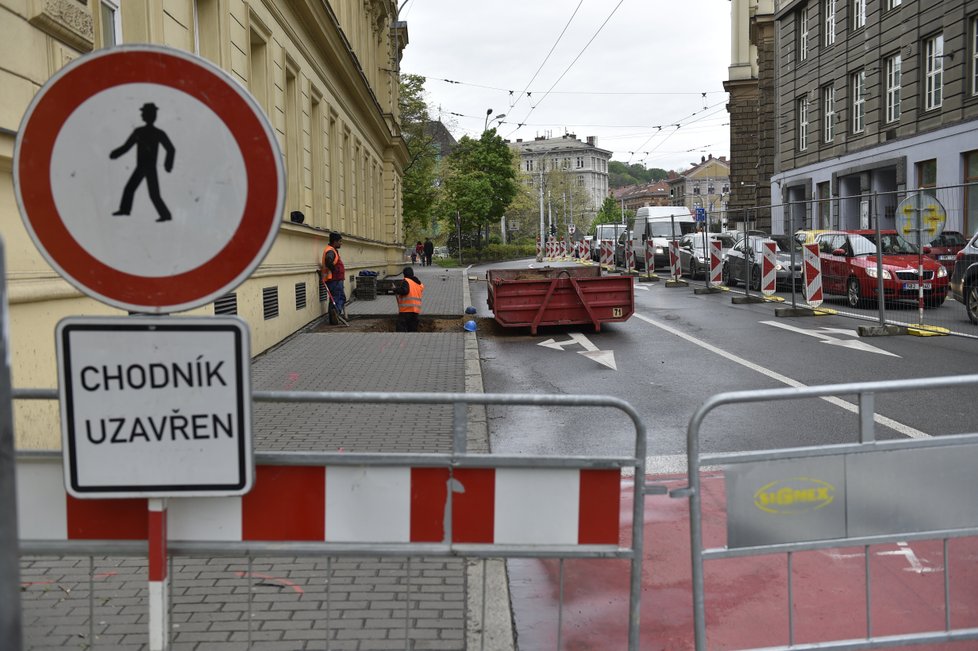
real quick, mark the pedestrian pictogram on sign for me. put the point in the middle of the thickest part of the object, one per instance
(148, 178)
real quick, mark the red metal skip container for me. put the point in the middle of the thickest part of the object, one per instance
(559, 296)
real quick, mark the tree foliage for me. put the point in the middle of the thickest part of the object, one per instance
(620, 174)
(479, 182)
(419, 192)
(610, 213)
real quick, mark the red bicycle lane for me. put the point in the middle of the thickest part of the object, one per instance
(746, 598)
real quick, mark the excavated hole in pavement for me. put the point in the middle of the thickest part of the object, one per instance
(425, 324)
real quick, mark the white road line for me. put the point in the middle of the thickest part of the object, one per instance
(906, 430)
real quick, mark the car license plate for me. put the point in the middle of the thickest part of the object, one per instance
(945, 257)
(915, 286)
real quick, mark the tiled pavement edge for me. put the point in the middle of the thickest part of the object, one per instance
(358, 604)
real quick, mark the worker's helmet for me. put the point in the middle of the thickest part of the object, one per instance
(469, 326)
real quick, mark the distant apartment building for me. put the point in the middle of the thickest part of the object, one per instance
(704, 185)
(325, 74)
(632, 197)
(583, 163)
(872, 99)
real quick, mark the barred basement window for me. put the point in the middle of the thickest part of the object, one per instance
(323, 296)
(227, 304)
(300, 296)
(269, 297)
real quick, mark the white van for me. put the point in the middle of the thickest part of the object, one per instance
(602, 232)
(654, 226)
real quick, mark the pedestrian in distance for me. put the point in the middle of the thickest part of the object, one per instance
(408, 294)
(147, 140)
(419, 252)
(333, 272)
(429, 250)
(414, 257)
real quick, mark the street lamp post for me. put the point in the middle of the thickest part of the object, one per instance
(499, 118)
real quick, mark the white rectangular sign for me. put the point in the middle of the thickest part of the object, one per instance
(155, 407)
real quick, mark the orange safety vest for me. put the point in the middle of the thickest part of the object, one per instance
(327, 274)
(410, 302)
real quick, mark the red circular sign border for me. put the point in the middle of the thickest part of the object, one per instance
(81, 80)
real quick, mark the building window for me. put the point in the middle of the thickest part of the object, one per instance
(110, 23)
(927, 174)
(257, 66)
(828, 113)
(858, 86)
(971, 192)
(829, 22)
(803, 33)
(858, 13)
(528, 165)
(933, 72)
(580, 162)
(893, 82)
(893, 4)
(974, 56)
(802, 124)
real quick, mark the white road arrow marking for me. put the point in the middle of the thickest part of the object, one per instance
(832, 341)
(603, 357)
(642, 287)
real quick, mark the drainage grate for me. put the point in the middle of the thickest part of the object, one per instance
(227, 304)
(323, 296)
(269, 297)
(300, 296)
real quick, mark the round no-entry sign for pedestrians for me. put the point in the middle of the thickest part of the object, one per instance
(148, 178)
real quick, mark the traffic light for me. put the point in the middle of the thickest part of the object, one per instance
(553, 229)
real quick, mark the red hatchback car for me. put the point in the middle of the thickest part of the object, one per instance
(849, 268)
(944, 248)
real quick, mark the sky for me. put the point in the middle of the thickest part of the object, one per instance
(643, 76)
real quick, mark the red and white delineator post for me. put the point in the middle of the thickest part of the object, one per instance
(769, 263)
(813, 275)
(674, 267)
(629, 257)
(607, 254)
(716, 264)
(649, 260)
(585, 250)
(563, 249)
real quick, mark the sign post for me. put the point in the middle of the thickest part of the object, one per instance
(920, 218)
(153, 182)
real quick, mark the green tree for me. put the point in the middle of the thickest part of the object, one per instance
(621, 174)
(479, 183)
(419, 191)
(610, 213)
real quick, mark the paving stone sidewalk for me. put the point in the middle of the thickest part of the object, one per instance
(286, 604)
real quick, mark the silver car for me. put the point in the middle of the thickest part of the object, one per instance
(742, 258)
(694, 258)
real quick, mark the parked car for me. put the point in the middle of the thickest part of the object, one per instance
(746, 254)
(694, 259)
(809, 236)
(944, 248)
(964, 278)
(849, 268)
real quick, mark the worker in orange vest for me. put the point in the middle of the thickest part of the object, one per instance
(408, 294)
(334, 271)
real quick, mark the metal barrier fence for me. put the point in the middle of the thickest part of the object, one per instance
(840, 483)
(454, 465)
(917, 294)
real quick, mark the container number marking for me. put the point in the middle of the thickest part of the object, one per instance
(616, 312)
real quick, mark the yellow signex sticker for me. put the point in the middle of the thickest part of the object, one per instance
(794, 495)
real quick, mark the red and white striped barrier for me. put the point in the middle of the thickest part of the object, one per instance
(813, 275)
(769, 263)
(629, 257)
(550, 247)
(585, 250)
(607, 253)
(350, 504)
(674, 267)
(563, 249)
(716, 264)
(649, 259)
